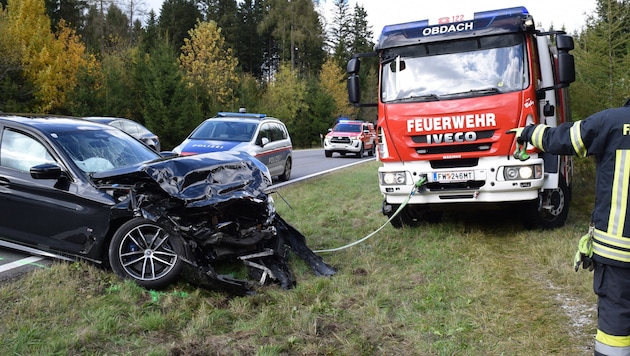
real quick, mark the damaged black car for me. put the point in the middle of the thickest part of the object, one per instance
(76, 190)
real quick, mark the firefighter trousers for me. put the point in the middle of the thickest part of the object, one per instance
(611, 284)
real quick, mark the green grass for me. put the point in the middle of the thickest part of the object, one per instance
(475, 284)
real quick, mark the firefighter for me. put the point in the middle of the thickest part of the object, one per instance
(606, 250)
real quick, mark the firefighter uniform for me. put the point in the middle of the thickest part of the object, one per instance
(605, 135)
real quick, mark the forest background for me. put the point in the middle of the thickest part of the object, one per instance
(197, 57)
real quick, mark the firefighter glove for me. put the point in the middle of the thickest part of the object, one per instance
(521, 145)
(584, 253)
(517, 131)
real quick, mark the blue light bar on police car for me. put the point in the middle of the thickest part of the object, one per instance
(240, 114)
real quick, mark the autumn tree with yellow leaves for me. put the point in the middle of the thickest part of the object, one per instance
(332, 79)
(49, 61)
(209, 64)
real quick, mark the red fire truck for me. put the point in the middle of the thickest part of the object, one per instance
(449, 90)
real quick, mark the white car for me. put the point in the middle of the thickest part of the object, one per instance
(265, 138)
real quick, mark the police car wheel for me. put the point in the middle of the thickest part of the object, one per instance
(286, 174)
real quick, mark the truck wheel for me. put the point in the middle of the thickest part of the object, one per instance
(328, 153)
(550, 210)
(360, 153)
(145, 252)
(411, 217)
(286, 174)
(401, 220)
(372, 151)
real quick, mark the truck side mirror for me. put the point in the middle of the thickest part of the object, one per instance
(354, 65)
(354, 90)
(564, 43)
(566, 62)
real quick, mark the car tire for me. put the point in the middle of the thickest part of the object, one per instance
(286, 174)
(372, 151)
(145, 252)
(328, 153)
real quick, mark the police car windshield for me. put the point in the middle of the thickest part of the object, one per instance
(454, 69)
(220, 130)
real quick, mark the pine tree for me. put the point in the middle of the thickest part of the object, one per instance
(602, 60)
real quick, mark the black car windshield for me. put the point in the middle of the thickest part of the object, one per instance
(455, 69)
(225, 131)
(100, 150)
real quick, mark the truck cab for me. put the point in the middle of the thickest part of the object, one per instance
(449, 91)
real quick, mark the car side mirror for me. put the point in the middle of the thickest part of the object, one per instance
(46, 171)
(264, 141)
(167, 154)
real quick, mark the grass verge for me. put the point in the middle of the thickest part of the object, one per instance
(475, 284)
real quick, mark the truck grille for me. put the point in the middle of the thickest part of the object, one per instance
(475, 147)
(336, 139)
(454, 148)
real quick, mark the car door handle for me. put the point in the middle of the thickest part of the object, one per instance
(4, 181)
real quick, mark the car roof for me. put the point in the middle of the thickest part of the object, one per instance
(51, 123)
(248, 117)
(102, 119)
(244, 119)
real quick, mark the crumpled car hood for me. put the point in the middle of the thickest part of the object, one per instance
(217, 204)
(197, 180)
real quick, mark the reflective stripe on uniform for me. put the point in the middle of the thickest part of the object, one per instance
(611, 345)
(537, 136)
(619, 198)
(610, 246)
(576, 140)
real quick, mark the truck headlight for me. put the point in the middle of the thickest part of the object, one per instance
(523, 172)
(393, 178)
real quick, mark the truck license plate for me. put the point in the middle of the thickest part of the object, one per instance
(459, 176)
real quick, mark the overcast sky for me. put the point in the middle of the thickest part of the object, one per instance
(569, 13)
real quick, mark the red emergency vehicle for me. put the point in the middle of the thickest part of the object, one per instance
(449, 90)
(350, 136)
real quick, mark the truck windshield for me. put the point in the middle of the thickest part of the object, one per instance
(454, 69)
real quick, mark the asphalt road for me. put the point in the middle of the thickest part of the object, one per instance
(306, 164)
(14, 264)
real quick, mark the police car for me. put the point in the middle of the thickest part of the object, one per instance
(263, 137)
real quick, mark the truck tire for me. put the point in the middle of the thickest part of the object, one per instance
(328, 153)
(145, 252)
(550, 210)
(360, 153)
(411, 217)
(372, 151)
